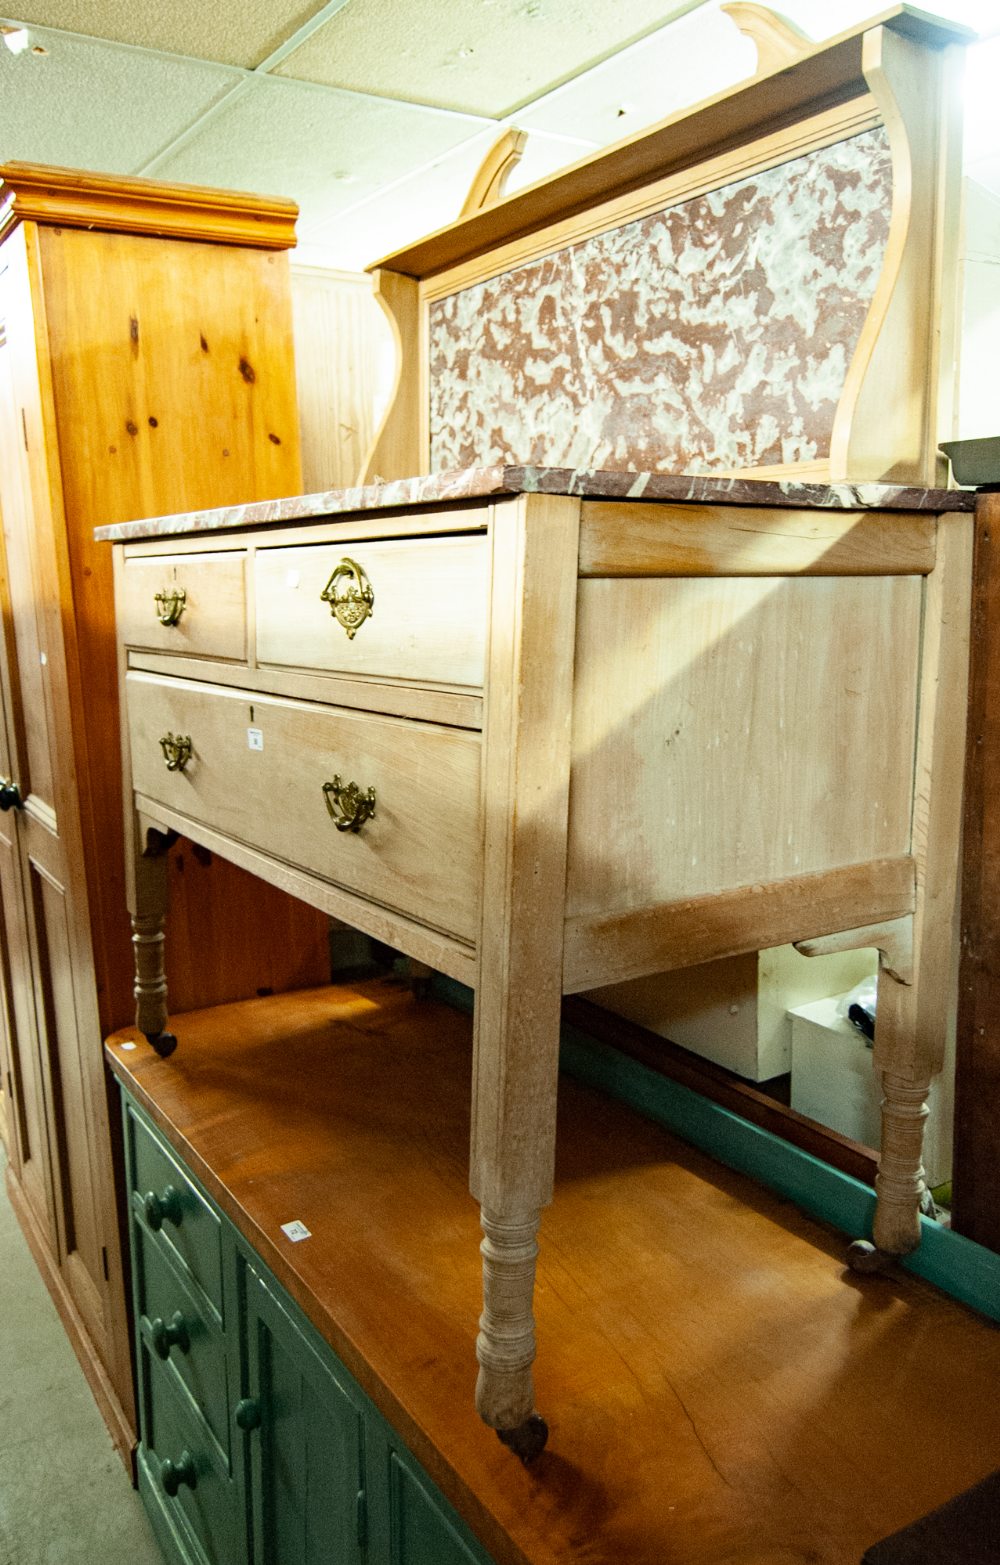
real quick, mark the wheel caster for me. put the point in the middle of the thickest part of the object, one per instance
(527, 1441)
(163, 1042)
(866, 1258)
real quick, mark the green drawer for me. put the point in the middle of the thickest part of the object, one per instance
(192, 1487)
(170, 1207)
(174, 1330)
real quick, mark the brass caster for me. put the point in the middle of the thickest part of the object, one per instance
(163, 1042)
(527, 1441)
(866, 1258)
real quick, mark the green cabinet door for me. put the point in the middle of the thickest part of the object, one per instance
(305, 1435)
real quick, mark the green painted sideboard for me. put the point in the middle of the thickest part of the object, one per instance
(255, 1442)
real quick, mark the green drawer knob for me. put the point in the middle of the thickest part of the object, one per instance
(165, 1207)
(248, 1413)
(169, 1334)
(173, 1474)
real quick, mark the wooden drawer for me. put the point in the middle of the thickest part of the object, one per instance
(212, 616)
(173, 1211)
(195, 1490)
(257, 772)
(179, 1334)
(428, 613)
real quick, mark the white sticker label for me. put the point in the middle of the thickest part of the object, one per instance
(255, 738)
(292, 578)
(296, 1231)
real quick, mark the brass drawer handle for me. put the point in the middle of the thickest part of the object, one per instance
(176, 751)
(163, 1207)
(173, 1474)
(352, 606)
(349, 808)
(169, 1334)
(170, 605)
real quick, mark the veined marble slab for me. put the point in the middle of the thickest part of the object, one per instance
(715, 333)
(594, 484)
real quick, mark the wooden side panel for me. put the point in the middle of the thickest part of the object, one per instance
(734, 731)
(172, 387)
(977, 1066)
(341, 345)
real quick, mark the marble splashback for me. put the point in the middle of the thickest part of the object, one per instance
(712, 335)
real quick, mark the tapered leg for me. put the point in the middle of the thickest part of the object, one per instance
(914, 1019)
(526, 760)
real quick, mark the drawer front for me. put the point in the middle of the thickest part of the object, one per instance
(419, 853)
(175, 1214)
(185, 1469)
(176, 1331)
(210, 617)
(427, 619)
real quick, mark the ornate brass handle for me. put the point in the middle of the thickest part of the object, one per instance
(349, 808)
(352, 606)
(176, 751)
(170, 605)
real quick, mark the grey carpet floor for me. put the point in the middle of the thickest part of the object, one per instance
(65, 1498)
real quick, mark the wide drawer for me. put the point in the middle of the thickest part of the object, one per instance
(204, 595)
(178, 1333)
(426, 620)
(184, 1467)
(174, 1211)
(263, 771)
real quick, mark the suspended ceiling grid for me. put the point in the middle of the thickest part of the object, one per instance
(373, 114)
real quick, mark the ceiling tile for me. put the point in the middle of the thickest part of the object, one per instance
(429, 199)
(324, 149)
(693, 58)
(479, 56)
(233, 32)
(99, 106)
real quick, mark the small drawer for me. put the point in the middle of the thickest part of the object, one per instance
(262, 770)
(184, 1468)
(174, 1211)
(176, 1332)
(188, 603)
(408, 609)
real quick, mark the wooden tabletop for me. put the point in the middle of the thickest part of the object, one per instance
(719, 1387)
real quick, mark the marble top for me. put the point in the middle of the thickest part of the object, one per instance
(475, 483)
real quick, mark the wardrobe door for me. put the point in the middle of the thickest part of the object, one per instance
(44, 897)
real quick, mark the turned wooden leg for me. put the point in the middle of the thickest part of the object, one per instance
(148, 919)
(899, 1184)
(916, 1007)
(526, 764)
(505, 1346)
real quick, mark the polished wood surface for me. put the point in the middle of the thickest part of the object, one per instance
(137, 373)
(977, 1067)
(718, 1387)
